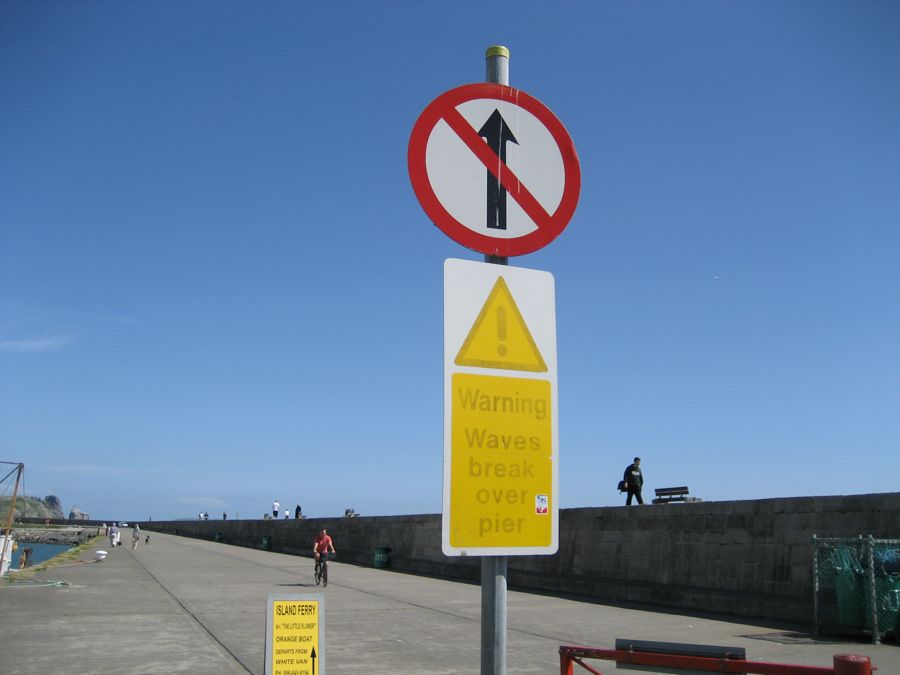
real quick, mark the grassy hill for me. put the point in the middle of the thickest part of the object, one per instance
(32, 507)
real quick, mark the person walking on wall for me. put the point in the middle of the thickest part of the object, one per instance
(298, 512)
(276, 507)
(634, 481)
(135, 536)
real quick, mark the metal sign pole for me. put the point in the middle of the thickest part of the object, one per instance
(493, 568)
(493, 615)
(497, 73)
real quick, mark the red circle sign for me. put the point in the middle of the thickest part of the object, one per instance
(494, 169)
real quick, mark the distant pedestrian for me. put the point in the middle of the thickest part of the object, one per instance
(276, 508)
(224, 516)
(287, 514)
(118, 536)
(298, 512)
(135, 536)
(200, 516)
(634, 481)
(113, 533)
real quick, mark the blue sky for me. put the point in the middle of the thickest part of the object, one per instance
(217, 286)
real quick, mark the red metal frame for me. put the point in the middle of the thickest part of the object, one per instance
(570, 655)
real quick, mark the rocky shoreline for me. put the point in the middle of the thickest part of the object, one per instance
(69, 536)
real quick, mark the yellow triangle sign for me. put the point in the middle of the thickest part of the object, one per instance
(499, 337)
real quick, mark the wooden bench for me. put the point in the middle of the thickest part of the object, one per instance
(671, 494)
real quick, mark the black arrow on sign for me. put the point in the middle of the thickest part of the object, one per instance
(497, 133)
(312, 655)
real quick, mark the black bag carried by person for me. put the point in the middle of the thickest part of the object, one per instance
(622, 487)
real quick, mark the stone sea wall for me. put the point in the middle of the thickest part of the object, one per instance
(748, 558)
(73, 536)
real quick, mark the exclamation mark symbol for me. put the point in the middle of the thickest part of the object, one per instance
(501, 330)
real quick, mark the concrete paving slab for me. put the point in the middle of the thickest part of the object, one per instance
(112, 616)
(181, 605)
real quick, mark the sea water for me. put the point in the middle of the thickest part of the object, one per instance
(39, 553)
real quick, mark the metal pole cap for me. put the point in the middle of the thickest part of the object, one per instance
(496, 50)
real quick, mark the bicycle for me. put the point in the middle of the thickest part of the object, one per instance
(321, 572)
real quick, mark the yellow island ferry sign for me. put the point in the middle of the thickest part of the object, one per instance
(500, 423)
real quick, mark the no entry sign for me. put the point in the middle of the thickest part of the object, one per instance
(494, 169)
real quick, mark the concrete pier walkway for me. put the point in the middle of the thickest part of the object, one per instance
(182, 605)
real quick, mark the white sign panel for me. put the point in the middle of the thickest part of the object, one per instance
(500, 411)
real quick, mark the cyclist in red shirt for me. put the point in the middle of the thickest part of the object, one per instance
(321, 546)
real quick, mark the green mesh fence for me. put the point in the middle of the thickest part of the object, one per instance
(856, 586)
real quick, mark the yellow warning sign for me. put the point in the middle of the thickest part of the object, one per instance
(295, 647)
(499, 338)
(501, 472)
